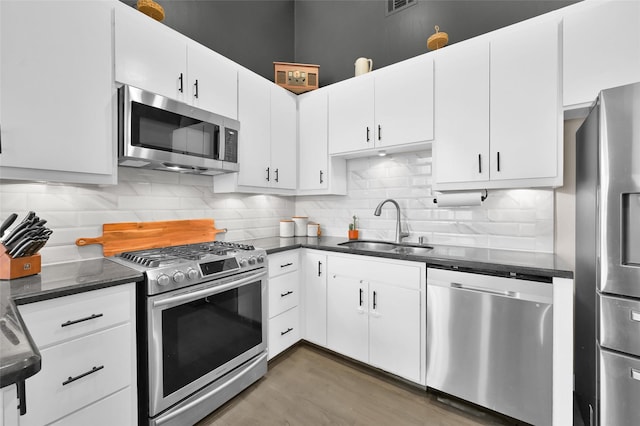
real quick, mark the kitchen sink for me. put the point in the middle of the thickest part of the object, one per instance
(387, 247)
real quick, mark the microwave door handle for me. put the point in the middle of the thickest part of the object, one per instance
(209, 291)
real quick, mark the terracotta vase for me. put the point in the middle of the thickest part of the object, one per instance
(353, 234)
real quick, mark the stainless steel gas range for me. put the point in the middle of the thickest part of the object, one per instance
(202, 327)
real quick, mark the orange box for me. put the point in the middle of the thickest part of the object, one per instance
(297, 78)
(19, 267)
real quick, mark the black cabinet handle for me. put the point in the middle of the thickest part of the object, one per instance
(267, 174)
(319, 266)
(73, 379)
(286, 264)
(196, 92)
(498, 165)
(286, 294)
(321, 173)
(479, 163)
(361, 297)
(277, 175)
(375, 300)
(379, 132)
(367, 133)
(180, 78)
(68, 323)
(282, 333)
(22, 397)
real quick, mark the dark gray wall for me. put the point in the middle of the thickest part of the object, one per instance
(333, 33)
(253, 33)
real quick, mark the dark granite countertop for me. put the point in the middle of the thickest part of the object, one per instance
(19, 356)
(464, 258)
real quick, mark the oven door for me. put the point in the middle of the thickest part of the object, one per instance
(197, 335)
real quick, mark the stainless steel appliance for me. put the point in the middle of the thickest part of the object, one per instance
(202, 327)
(160, 133)
(607, 278)
(489, 341)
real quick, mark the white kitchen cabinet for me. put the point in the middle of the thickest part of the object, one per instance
(314, 272)
(318, 173)
(56, 92)
(267, 139)
(601, 49)
(461, 144)
(87, 343)
(376, 311)
(389, 109)
(516, 139)
(9, 413)
(154, 57)
(284, 298)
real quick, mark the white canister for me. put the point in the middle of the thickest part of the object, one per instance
(363, 66)
(312, 229)
(287, 228)
(300, 225)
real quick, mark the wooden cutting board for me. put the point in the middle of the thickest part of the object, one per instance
(129, 236)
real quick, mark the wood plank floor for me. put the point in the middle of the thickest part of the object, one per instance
(308, 386)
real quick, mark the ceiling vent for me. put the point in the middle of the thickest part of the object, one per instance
(394, 6)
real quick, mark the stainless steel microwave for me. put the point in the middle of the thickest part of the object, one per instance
(156, 132)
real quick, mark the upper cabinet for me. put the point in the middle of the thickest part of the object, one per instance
(321, 174)
(498, 110)
(153, 57)
(57, 92)
(266, 141)
(601, 49)
(389, 108)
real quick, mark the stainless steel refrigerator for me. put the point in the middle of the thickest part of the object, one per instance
(607, 278)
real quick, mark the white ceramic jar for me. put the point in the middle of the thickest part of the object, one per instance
(287, 228)
(312, 229)
(300, 225)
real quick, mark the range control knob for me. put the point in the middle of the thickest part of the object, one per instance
(252, 260)
(261, 258)
(179, 276)
(192, 274)
(243, 263)
(163, 279)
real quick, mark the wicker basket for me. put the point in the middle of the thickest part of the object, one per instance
(151, 8)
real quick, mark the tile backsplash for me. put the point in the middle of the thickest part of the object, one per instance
(509, 219)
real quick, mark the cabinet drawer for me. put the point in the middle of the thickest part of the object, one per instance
(619, 389)
(620, 324)
(283, 294)
(284, 331)
(69, 317)
(53, 392)
(281, 263)
(400, 273)
(116, 409)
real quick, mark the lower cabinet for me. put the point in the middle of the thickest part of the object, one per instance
(284, 289)
(314, 270)
(87, 343)
(376, 313)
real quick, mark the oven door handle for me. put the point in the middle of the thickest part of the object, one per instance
(208, 291)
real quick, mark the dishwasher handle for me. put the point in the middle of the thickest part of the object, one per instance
(507, 293)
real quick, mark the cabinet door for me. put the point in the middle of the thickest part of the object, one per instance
(253, 144)
(315, 297)
(394, 329)
(461, 147)
(347, 319)
(213, 81)
(149, 55)
(57, 91)
(404, 103)
(283, 139)
(525, 102)
(592, 62)
(313, 140)
(351, 109)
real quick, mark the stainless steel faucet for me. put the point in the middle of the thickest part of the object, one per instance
(399, 234)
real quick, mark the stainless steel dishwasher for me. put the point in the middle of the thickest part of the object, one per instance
(489, 341)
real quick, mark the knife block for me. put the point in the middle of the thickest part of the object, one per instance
(19, 267)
